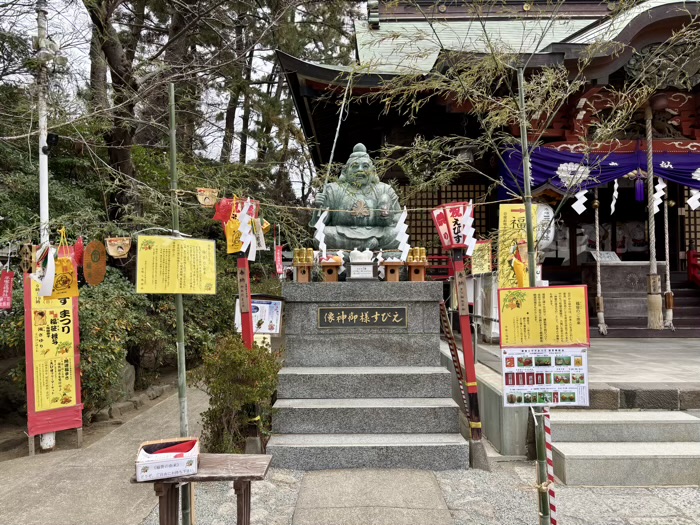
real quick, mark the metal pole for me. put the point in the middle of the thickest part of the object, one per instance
(179, 316)
(46, 441)
(527, 197)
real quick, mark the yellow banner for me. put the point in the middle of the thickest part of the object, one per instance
(512, 262)
(481, 258)
(537, 317)
(53, 350)
(175, 266)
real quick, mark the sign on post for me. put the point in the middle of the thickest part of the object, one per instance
(167, 265)
(511, 231)
(544, 346)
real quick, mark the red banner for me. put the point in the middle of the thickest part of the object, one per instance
(52, 337)
(278, 260)
(6, 282)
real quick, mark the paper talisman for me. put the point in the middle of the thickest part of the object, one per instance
(233, 236)
(224, 208)
(65, 284)
(279, 266)
(95, 263)
(207, 197)
(6, 284)
(118, 247)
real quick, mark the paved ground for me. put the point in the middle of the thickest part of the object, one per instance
(629, 360)
(91, 487)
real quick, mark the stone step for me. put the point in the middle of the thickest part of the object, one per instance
(342, 451)
(365, 382)
(627, 464)
(591, 426)
(626, 332)
(363, 350)
(365, 416)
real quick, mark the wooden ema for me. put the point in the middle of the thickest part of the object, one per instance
(303, 272)
(416, 271)
(392, 271)
(239, 468)
(330, 271)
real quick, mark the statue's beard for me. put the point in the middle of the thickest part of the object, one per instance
(360, 182)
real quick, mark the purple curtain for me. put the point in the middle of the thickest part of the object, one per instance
(576, 171)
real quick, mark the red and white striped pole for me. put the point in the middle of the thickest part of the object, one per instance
(550, 467)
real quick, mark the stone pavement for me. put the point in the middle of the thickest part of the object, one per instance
(504, 496)
(90, 486)
(629, 360)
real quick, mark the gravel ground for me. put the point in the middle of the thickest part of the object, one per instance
(505, 496)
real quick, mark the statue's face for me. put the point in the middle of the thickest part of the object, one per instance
(358, 171)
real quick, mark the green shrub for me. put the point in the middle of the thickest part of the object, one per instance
(236, 379)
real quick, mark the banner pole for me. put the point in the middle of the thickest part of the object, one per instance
(185, 490)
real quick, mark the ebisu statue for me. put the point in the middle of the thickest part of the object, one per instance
(366, 210)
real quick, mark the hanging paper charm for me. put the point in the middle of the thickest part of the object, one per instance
(247, 236)
(467, 228)
(320, 234)
(580, 205)
(616, 185)
(95, 263)
(207, 196)
(118, 247)
(402, 235)
(694, 200)
(659, 195)
(6, 284)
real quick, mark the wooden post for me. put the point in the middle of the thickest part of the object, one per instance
(244, 301)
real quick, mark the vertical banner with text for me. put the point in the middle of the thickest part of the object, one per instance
(52, 338)
(511, 232)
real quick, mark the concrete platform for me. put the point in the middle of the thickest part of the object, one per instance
(627, 464)
(333, 451)
(592, 426)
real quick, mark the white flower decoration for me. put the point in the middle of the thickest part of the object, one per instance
(613, 164)
(666, 164)
(572, 174)
(696, 174)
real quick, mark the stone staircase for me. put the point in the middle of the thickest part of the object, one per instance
(629, 448)
(365, 397)
(626, 311)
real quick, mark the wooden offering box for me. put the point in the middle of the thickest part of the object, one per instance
(330, 270)
(416, 271)
(392, 271)
(303, 272)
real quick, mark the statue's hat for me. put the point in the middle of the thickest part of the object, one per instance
(358, 151)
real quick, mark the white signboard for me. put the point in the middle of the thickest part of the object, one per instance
(267, 316)
(605, 256)
(545, 377)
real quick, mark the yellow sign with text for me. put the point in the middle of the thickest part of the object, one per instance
(53, 351)
(481, 258)
(512, 251)
(556, 316)
(175, 266)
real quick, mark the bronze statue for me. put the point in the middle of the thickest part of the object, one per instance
(370, 208)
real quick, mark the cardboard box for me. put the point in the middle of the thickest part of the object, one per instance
(167, 458)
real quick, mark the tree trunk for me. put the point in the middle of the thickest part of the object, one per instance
(246, 108)
(98, 74)
(229, 126)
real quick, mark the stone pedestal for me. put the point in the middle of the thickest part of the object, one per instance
(624, 287)
(366, 390)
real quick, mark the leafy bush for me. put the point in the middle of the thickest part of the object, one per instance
(235, 378)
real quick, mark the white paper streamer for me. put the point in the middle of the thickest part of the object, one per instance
(614, 197)
(659, 195)
(380, 269)
(342, 258)
(401, 234)
(247, 236)
(47, 282)
(694, 200)
(320, 235)
(467, 229)
(580, 205)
